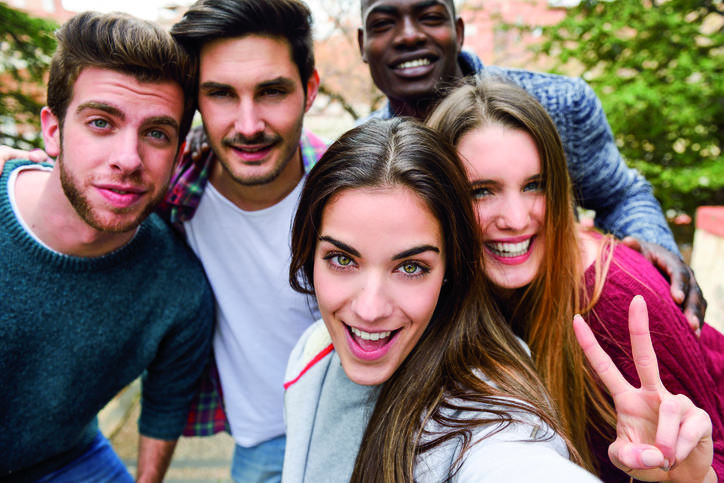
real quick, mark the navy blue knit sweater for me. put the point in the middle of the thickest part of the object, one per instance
(75, 331)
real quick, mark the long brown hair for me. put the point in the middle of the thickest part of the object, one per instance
(465, 338)
(541, 312)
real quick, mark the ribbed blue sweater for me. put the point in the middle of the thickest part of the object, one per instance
(75, 331)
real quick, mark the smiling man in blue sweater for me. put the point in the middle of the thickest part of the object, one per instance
(89, 279)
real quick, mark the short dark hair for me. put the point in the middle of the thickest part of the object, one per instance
(121, 43)
(209, 20)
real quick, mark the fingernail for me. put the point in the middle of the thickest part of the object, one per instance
(651, 458)
(666, 466)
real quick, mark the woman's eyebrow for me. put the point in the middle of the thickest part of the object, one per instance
(340, 245)
(480, 181)
(416, 250)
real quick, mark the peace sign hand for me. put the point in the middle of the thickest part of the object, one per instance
(659, 436)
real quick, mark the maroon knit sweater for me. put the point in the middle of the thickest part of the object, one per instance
(690, 366)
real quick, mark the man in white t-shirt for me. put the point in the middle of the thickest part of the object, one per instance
(235, 204)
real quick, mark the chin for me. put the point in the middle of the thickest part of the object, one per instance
(509, 281)
(368, 377)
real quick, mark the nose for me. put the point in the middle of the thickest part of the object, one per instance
(372, 302)
(248, 121)
(514, 213)
(409, 33)
(126, 156)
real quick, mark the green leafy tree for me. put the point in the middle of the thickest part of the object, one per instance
(658, 67)
(26, 44)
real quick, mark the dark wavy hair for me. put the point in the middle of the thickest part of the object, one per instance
(465, 337)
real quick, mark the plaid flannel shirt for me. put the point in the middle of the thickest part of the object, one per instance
(207, 416)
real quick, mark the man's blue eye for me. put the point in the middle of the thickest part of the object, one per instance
(157, 134)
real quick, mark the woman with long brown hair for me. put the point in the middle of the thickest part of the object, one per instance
(410, 370)
(545, 268)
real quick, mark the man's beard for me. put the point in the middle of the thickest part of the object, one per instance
(263, 139)
(79, 201)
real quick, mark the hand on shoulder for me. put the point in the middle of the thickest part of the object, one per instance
(8, 153)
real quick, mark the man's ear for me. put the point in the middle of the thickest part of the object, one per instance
(460, 32)
(50, 127)
(361, 44)
(312, 89)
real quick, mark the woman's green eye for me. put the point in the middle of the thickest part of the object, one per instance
(410, 268)
(344, 261)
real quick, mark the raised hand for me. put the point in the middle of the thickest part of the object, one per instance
(660, 436)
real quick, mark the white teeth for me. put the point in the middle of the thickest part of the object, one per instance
(370, 335)
(413, 63)
(510, 249)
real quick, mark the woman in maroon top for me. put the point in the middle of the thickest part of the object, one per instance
(545, 268)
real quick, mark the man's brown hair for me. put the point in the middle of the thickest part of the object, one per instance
(122, 43)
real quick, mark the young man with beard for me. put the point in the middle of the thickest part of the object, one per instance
(235, 202)
(414, 49)
(235, 205)
(87, 275)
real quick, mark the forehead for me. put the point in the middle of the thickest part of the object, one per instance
(381, 220)
(248, 57)
(370, 6)
(126, 93)
(496, 151)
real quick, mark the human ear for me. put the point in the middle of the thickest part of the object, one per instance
(312, 89)
(460, 32)
(361, 44)
(50, 126)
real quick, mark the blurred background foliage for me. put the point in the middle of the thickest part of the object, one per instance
(26, 45)
(658, 67)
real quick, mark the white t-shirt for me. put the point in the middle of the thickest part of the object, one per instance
(259, 318)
